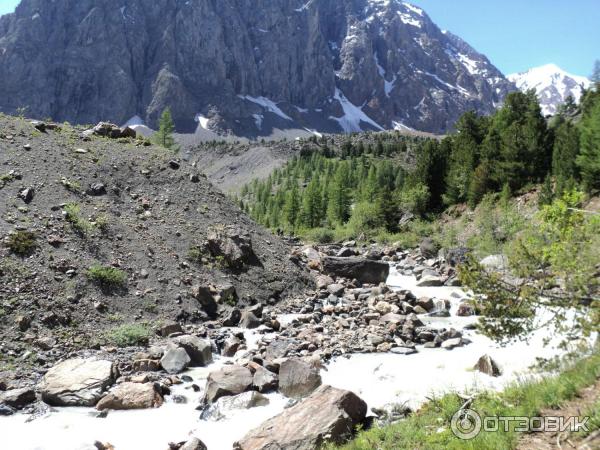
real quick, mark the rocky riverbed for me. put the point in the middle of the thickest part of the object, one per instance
(280, 374)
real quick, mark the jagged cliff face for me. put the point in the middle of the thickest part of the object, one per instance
(230, 65)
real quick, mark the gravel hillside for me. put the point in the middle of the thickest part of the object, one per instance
(164, 243)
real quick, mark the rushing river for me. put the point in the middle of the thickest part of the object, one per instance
(380, 379)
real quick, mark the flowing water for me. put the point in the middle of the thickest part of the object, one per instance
(380, 379)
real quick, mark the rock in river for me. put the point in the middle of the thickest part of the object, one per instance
(329, 414)
(364, 270)
(230, 380)
(77, 382)
(298, 379)
(131, 396)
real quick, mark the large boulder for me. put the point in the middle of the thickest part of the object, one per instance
(230, 380)
(193, 444)
(199, 350)
(362, 269)
(298, 379)
(328, 415)
(131, 396)
(487, 365)
(175, 360)
(249, 320)
(429, 248)
(231, 244)
(77, 382)
(17, 398)
(247, 400)
(495, 263)
(264, 380)
(430, 281)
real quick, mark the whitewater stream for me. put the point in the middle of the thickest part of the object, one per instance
(380, 379)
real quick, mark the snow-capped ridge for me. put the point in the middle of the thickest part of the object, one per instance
(552, 84)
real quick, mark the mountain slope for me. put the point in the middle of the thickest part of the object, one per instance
(118, 204)
(230, 67)
(552, 84)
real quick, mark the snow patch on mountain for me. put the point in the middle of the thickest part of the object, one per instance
(267, 104)
(353, 115)
(552, 84)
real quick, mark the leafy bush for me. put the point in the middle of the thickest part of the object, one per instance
(109, 278)
(365, 219)
(129, 335)
(320, 235)
(415, 199)
(22, 243)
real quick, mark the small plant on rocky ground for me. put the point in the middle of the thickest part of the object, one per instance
(101, 223)
(108, 278)
(79, 224)
(72, 185)
(129, 335)
(195, 254)
(22, 243)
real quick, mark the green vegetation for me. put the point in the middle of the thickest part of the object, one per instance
(164, 135)
(559, 248)
(321, 189)
(109, 278)
(73, 215)
(363, 190)
(22, 243)
(129, 335)
(429, 428)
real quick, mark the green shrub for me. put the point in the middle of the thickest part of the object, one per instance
(195, 254)
(320, 235)
(79, 224)
(22, 243)
(366, 220)
(129, 335)
(415, 199)
(109, 278)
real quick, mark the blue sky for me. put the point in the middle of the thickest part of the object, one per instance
(515, 34)
(519, 34)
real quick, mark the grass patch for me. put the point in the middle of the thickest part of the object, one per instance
(22, 243)
(429, 428)
(108, 278)
(129, 335)
(73, 215)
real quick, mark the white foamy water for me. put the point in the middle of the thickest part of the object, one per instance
(380, 379)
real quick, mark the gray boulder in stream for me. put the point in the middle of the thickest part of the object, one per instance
(77, 382)
(364, 270)
(328, 415)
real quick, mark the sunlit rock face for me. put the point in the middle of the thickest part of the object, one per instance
(319, 65)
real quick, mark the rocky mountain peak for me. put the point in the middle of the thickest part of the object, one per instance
(229, 67)
(552, 84)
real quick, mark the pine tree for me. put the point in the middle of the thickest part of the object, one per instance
(291, 208)
(338, 210)
(312, 212)
(166, 128)
(464, 157)
(479, 184)
(588, 160)
(564, 155)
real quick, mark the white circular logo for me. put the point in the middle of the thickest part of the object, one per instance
(466, 424)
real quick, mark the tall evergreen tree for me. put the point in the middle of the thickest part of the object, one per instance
(312, 212)
(292, 207)
(588, 160)
(564, 155)
(338, 210)
(166, 128)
